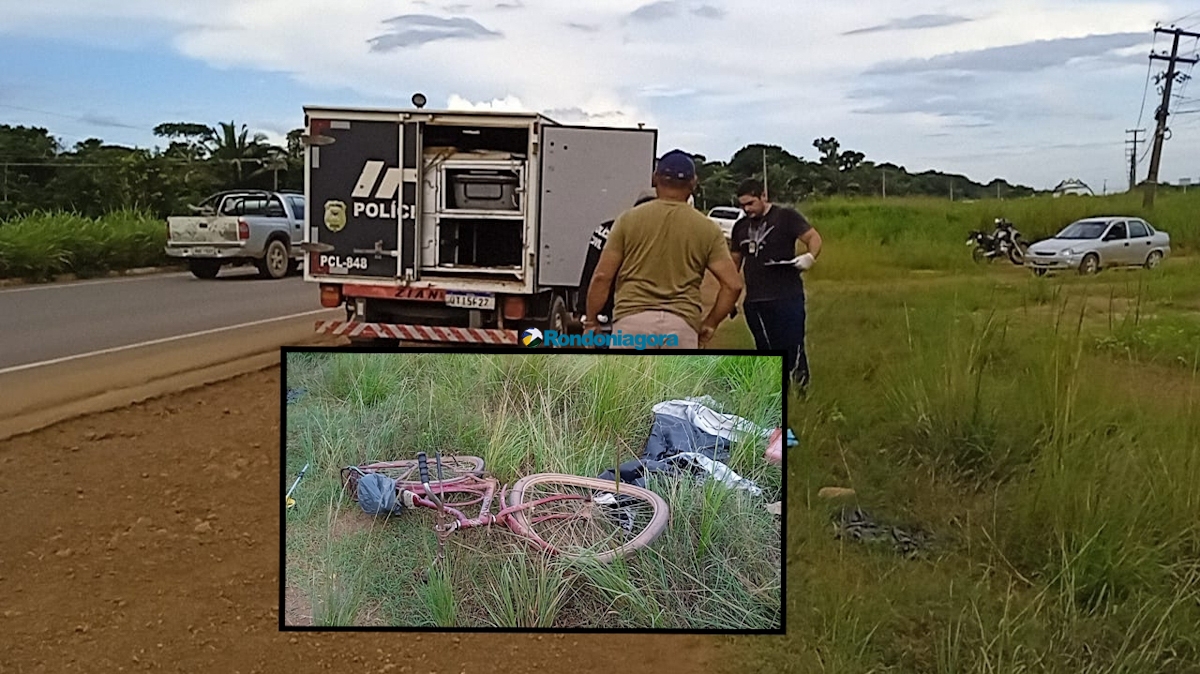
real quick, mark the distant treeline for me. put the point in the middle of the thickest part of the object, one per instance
(38, 173)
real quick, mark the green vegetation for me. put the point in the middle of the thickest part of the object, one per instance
(40, 246)
(717, 565)
(94, 178)
(1045, 431)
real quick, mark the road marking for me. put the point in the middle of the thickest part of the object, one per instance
(163, 340)
(99, 282)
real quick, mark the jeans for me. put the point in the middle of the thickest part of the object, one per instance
(779, 324)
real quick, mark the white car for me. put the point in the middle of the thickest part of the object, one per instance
(725, 217)
(1092, 244)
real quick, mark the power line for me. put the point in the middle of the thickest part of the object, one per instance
(1185, 16)
(1146, 86)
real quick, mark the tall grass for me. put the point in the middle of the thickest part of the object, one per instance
(929, 220)
(873, 238)
(718, 565)
(1045, 430)
(39, 246)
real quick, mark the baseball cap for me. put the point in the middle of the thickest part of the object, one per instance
(676, 164)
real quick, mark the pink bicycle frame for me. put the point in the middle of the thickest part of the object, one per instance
(472, 485)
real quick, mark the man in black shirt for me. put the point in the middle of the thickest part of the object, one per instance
(763, 245)
(596, 243)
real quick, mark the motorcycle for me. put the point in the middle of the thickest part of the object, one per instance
(1004, 241)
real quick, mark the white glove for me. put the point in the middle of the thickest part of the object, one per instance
(804, 262)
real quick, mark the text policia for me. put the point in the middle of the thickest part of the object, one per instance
(625, 339)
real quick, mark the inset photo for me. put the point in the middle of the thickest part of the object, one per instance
(533, 490)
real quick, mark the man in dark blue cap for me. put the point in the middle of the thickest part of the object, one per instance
(657, 253)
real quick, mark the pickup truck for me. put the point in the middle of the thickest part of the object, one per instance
(238, 227)
(726, 217)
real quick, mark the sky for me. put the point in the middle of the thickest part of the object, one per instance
(1030, 91)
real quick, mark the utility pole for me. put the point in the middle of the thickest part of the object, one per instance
(765, 192)
(1163, 110)
(1133, 156)
(885, 183)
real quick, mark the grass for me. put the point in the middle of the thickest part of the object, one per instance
(897, 235)
(40, 246)
(1045, 430)
(717, 566)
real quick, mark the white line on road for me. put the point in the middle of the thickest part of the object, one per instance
(100, 282)
(64, 359)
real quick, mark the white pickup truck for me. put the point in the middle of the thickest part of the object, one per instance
(240, 227)
(726, 217)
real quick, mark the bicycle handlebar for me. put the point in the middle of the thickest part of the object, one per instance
(423, 467)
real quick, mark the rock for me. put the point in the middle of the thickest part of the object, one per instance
(203, 527)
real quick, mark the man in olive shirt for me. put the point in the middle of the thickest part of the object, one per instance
(657, 253)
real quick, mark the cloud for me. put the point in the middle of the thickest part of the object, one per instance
(509, 103)
(1023, 57)
(663, 91)
(416, 29)
(656, 11)
(96, 119)
(709, 12)
(918, 22)
(979, 74)
(577, 115)
(456, 8)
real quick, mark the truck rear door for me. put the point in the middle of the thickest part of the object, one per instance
(363, 199)
(588, 175)
(217, 228)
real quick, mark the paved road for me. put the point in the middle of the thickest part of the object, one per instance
(47, 322)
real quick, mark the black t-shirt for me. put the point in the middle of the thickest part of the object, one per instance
(595, 247)
(768, 239)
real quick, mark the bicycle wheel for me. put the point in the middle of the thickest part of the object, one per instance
(589, 516)
(455, 469)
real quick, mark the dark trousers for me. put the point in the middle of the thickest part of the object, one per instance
(779, 324)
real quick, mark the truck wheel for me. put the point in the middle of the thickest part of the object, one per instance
(560, 318)
(205, 269)
(274, 263)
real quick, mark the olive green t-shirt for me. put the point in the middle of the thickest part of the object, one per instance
(665, 247)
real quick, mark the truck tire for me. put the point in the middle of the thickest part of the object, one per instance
(205, 269)
(275, 260)
(559, 319)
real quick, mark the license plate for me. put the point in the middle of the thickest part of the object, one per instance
(342, 265)
(205, 252)
(471, 300)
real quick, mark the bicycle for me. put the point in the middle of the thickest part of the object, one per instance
(552, 511)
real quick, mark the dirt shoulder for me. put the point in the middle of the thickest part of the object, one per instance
(148, 538)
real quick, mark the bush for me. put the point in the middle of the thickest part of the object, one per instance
(39, 246)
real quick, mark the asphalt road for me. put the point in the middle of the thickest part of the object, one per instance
(48, 322)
